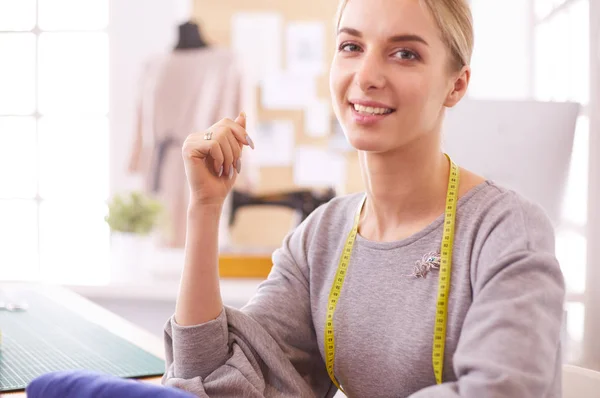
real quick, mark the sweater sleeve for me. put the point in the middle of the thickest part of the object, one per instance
(267, 349)
(510, 340)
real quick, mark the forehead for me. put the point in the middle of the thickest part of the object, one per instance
(385, 18)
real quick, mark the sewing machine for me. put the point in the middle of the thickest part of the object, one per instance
(303, 201)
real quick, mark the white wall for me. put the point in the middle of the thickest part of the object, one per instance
(502, 58)
(138, 29)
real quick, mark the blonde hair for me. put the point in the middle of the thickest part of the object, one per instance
(455, 22)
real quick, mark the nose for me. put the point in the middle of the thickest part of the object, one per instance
(370, 73)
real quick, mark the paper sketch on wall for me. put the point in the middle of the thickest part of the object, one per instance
(317, 118)
(318, 167)
(256, 38)
(275, 143)
(286, 91)
(305, 48)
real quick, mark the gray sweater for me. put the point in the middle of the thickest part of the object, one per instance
(504, 313)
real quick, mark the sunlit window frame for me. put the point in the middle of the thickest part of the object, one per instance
(574, 353)
(36, 116)
(567, 225)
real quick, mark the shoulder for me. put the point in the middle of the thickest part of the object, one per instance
(223, 61)
(506, 218)
(506, 230)
(220, 57)
(491, 210)
(222, 53)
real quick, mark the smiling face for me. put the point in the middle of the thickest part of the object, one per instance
(391, 76)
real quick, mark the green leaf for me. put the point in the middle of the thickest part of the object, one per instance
(134, 212)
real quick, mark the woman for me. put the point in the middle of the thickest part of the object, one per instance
(398, 65)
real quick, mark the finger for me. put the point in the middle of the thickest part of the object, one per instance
(237, 152)
(195, 146)
(240, 132)
(218, 158)
(222, 138)
(235, 146)
(241, 119)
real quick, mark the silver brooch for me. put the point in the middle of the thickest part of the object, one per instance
(430, 261)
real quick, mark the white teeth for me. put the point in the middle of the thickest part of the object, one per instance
(370, 110)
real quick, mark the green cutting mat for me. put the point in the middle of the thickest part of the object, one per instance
(48, 337)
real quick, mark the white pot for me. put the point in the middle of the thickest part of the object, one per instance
(130, 254)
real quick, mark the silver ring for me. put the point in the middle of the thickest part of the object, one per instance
(208, 135)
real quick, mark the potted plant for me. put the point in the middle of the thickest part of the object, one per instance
(132, 217)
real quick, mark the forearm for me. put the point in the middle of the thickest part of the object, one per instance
(199, 298)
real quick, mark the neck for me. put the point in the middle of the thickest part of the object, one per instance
(406, 190)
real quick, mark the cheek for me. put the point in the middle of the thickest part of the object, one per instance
(420, 92)
(414, 89)
(418, 96)
(431, 103)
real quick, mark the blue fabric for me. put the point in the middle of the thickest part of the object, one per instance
(87, 384)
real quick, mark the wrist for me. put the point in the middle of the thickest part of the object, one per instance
(197, 206)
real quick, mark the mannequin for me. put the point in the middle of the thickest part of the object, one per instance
(184, 90)
(190, 37)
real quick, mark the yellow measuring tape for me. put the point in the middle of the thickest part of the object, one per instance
(441, 314)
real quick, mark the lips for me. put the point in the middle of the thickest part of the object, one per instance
(369, 113)
(371, 108)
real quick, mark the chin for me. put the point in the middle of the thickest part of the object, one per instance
(369, 141)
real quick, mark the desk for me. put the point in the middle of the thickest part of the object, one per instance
(238, 263)
(94, 313)
(244, 265)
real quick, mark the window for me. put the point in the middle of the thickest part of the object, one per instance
(561, 62)
(54, 138)
(545, 56)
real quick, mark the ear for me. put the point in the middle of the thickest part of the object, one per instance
(459, 86)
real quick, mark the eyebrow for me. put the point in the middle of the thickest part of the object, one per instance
(394, 39)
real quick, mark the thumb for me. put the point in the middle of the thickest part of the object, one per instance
(241, 119)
